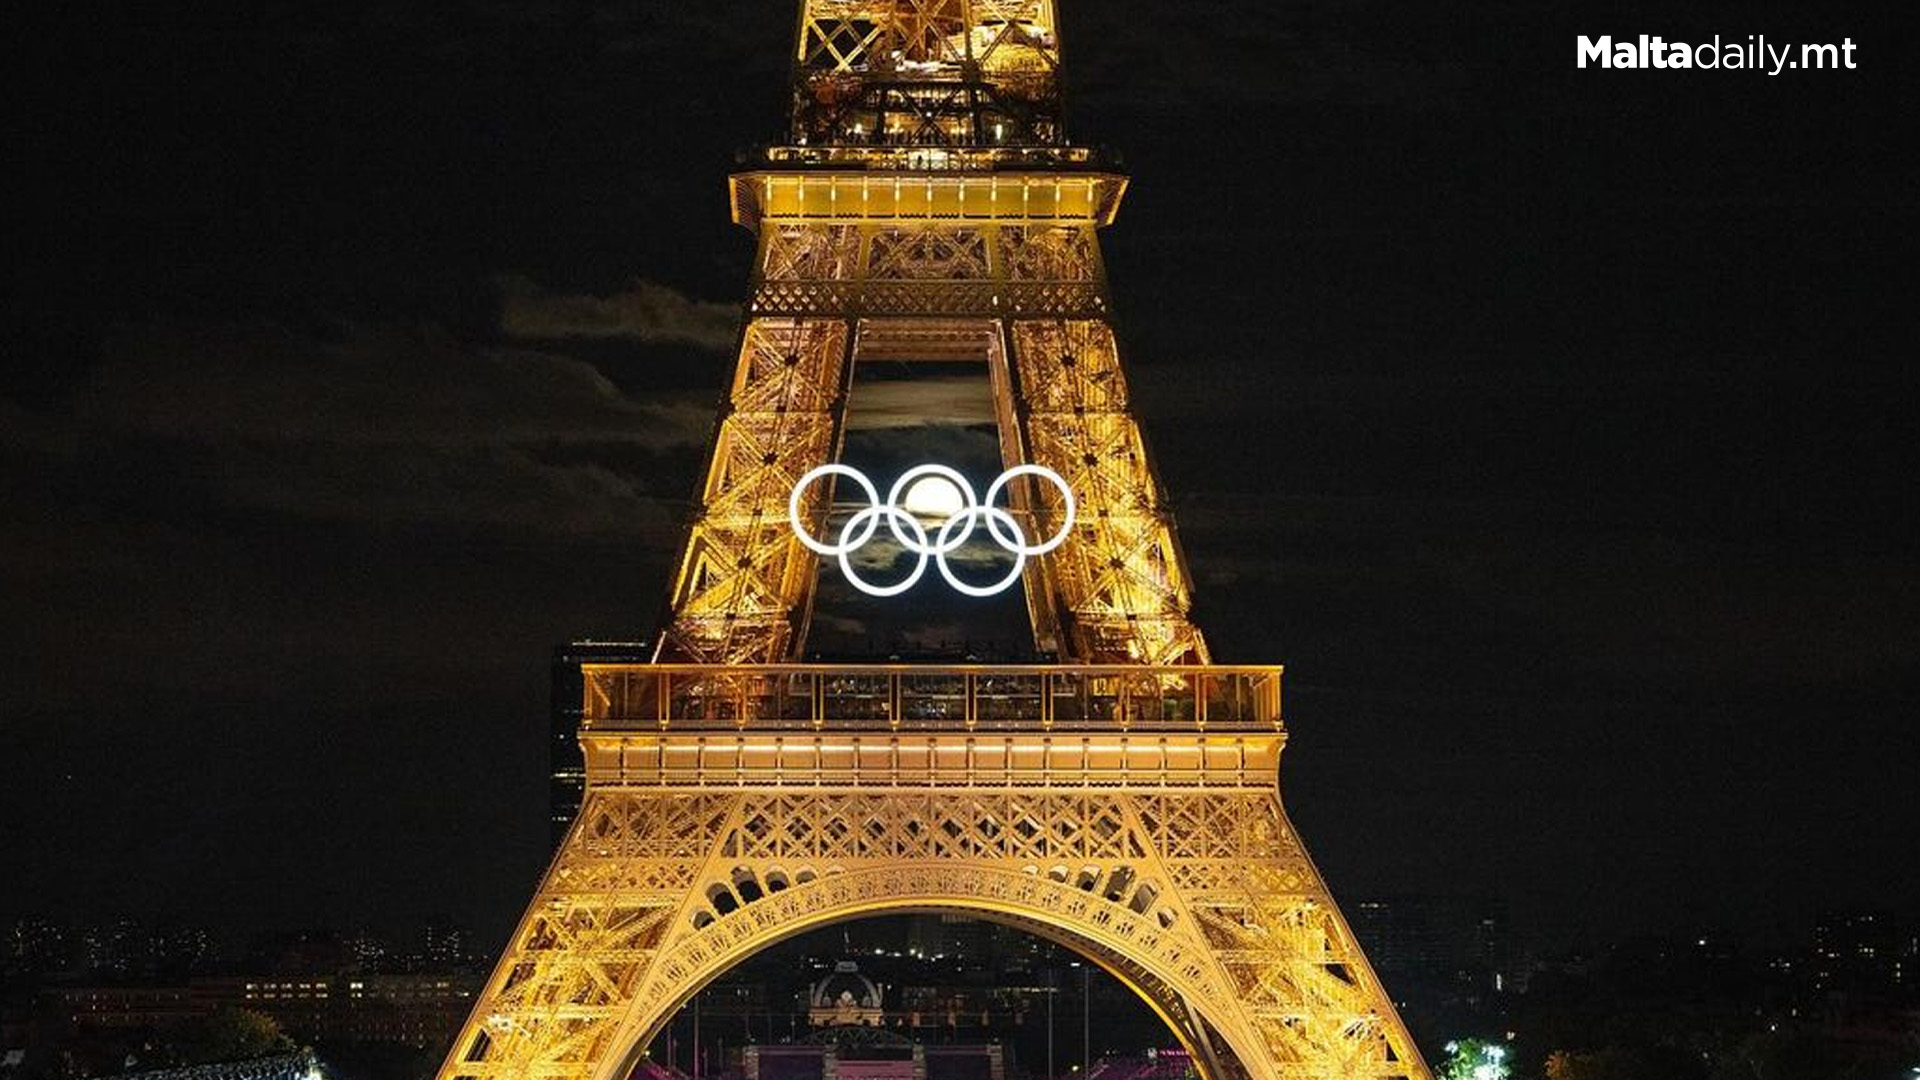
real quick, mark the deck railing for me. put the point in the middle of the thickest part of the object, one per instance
(929, 697)
(883, 155)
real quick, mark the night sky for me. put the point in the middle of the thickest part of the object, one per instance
(1546, 423)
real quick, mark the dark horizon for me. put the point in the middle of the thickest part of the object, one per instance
(1544, 422)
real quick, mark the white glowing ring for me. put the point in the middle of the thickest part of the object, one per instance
(967, 505)
(953, 531)
(1020, 546)
(989, 513)
(845, 545)
(919, 547)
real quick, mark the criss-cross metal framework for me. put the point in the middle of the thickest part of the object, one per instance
(1123, 801)
(996, 265)
(927, 73)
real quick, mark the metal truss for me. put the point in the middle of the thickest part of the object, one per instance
(744, 580)
(1123, 802)
(927, 72)
(1120, 583)
(1118, 590)
(914, 269)
(1187, 883)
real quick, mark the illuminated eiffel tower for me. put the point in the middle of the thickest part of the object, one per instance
(1123, 802)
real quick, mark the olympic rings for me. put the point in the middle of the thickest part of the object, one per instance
(793, 509)
(991, 513)
(918, 545)
(952, 532)
(1066, 496)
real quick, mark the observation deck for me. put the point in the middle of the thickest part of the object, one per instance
(879, 156)
(1031, 698)
(707, 726)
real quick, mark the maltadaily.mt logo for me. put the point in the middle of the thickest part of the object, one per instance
(1749, 54)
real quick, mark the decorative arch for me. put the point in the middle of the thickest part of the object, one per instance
(1202, 901)
(1171, 972)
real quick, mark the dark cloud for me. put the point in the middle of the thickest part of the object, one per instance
(1637, 527)
(1244, 54)
(378, 424)
(216, 491)
(645, 311)
(949, 401)
(884, 559)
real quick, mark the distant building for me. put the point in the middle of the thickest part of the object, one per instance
(1910, 955)
(853, 1037)
(125, 1006)
(1152, 1065)
(845, 998)
(1435, 942)
(984, 943)
(305, 951)
(369, 951)
(422, 1010)
(567, 768)
(1857, 951)
(445, 946)
(871, 1053)
(117, 949)
(299, 1066)
(183, 950)
(37, 947)
(120, 949)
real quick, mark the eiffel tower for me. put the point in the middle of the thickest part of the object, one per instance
(1123, 802)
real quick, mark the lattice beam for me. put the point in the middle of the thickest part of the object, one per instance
(927, 73)
(1122, 581)
(1204, 901)
(744, 581)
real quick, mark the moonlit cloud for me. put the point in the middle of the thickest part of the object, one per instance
(377, 425)
(645, 312)
(260, 381)
(958, 400)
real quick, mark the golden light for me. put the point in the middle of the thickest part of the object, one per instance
(1120, 797)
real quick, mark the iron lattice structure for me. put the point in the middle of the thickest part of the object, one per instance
(927, 73)
(1123, 802)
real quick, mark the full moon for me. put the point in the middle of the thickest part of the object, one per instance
(933, 496)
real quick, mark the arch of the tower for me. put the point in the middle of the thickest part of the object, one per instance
(1107, 914)
(1199, 896)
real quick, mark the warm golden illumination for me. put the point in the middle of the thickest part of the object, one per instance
(1123, 801)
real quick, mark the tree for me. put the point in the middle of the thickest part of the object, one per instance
(1567, 1065)
(234, 1035)
(1476, 1059)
